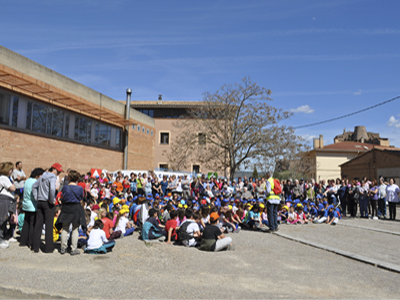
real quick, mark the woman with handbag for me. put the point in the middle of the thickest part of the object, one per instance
(6, 198)
(71, 213)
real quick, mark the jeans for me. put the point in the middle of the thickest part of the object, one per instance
(382, 207)
(27, 229)
(44, 215)
(129, 231)
(272, 215)
(364, 207)
(392, 210)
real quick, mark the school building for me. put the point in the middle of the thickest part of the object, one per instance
(46, 117)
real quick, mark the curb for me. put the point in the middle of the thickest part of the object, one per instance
(357, 257)
(368, 228)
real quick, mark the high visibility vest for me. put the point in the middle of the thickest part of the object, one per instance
(271, 194)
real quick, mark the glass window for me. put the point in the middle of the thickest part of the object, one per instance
(196, 168)
(151, 113)
(57, 122)
(202, 138)
(39, 118)
(29, 116)
(66, 131)
(148, 131)
(152, 133)
(15, 112)
(4, 109)
(118, 139)
(102, 134)
(143, 129)
(163, 166)
(83, 129)
(164, 138)
(138, 128)
(48, 120)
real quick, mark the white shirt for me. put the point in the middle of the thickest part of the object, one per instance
(122, 224)
(192, 228)
(5, 184)
(96, 239)
(18, 184)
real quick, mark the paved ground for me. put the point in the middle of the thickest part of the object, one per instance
(262, 266)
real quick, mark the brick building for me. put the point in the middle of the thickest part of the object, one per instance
(46, 117)
(373, 164)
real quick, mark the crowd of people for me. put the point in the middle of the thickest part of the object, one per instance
(90, 213)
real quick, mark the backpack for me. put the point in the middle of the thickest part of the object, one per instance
(277, 187)
(183, 235)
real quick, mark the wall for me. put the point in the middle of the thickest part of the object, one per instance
(328, 164)
(141, 148)
(373, 164)
(36, 151)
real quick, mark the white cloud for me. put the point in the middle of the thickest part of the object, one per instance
(393, 122)
(303, 109)
(308, 137)
(357, 93)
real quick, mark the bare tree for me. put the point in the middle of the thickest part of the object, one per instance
(232, 128)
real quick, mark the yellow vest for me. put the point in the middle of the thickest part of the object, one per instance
(271, 194)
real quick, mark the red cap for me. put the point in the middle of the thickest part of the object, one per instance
(58, 167)
(95, 207)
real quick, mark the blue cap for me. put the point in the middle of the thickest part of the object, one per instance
(320, 206)
(289, 200)
(305, 201)
(157, 195)
(134, 198)
(183, 202)
(330, 207)
(225, 200)
(319, 196)
(324, 203)
(194, 201)
(312, 203)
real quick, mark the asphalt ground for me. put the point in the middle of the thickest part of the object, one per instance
(262, 266)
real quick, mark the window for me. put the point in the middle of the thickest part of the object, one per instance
(163, 167)
(4, 109)
(164, 138)
(39, 117)
(66, 131)
(202, 138)
(196, 168)
(148, 131)
(57, 123)
(149, 112)
(83, 129)
(138, 128)
(118, 139)
(102, 134)
(143, 129)
(152, 133)
(29, 116)
(133, 126)
(15, 112)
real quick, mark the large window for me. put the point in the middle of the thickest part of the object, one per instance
(103, 134)
(83, 129)
(4, 109)
(164, 138)
(149, 112)
(118, 139)
(15, 112)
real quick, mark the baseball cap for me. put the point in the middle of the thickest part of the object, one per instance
(58, 167)
(95, 207)
(214, 216)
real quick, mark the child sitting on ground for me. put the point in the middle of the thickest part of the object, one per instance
(122, 223)
(151, 228)
(213, 239)
(301, 215)
(292, 216)
(97, 242)
(171, 227)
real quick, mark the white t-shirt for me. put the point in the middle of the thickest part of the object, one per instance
(93, 216)
(18, 184)
(122, 224)
(192, 228)
(5, 184)
(96, 239)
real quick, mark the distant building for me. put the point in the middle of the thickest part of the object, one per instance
(328, 159)
(361, 135)
(373, 164)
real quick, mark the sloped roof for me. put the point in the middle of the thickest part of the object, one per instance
(353, 147)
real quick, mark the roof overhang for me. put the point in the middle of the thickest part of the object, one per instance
(29, 86)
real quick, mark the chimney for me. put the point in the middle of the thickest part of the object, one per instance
(159, 98)
(315, 143)
(321, 141)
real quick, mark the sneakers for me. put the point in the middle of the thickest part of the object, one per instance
(63, 251)
(12, 240)
(4, 244)
(75, 252)
(375, 218)
(237, 230)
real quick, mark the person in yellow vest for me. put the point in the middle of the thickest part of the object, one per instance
(272, 204)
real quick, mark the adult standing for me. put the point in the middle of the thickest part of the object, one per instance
(19, 178)
(29, 206)
(382, 199)
(272, 203)
(392, 196)
(44, 191)
(71, 213)
(6, 197)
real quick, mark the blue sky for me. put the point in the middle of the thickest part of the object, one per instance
(321, 59)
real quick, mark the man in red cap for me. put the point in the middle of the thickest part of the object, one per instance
(44, 191)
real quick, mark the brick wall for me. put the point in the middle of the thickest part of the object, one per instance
(369, 163)
(36, 151)
(141, 148)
